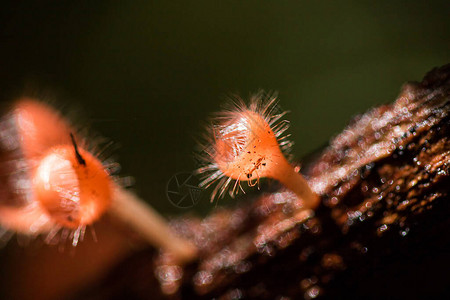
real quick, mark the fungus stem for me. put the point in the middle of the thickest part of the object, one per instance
(286, 174)
(153, 227)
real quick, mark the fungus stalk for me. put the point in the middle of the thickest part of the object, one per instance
(151, 225)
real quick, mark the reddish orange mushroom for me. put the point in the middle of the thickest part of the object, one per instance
(73, 192)
(53, 183)
(247, 143)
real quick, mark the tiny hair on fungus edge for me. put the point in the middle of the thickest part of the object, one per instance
(246, 143)
(50, 182)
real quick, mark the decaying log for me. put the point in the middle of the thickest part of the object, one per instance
(379, 232)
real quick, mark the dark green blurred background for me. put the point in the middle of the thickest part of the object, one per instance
(147, 73)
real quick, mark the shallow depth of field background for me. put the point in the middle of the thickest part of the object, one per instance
(147, 73)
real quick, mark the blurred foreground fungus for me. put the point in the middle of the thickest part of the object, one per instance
(54, 184)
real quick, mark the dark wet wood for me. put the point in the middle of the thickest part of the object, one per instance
(381, 230)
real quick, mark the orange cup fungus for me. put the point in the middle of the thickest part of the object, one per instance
(50, 182)
(247, 143)
(53, 183)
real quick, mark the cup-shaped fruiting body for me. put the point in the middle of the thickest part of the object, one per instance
(247, 143)
(49, 181)
(72, 186)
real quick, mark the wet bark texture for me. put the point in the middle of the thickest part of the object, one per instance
(381, 230)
